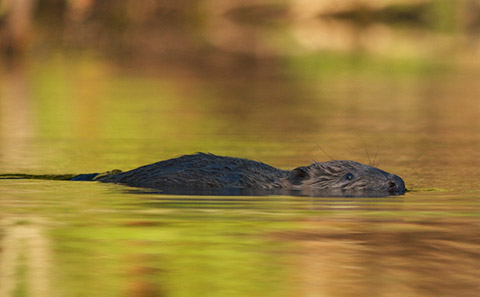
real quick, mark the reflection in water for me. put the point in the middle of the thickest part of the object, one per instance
(264, 192)
(390, 259)
(161, 245)
(16, 117)
(152, 80)
(25, 257)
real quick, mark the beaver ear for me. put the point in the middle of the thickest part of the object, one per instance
(298, 175)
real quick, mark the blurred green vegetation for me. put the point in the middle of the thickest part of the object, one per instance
(91, 85)
(332, 64)
(221, 35)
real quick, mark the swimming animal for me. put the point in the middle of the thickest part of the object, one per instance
(207, 173)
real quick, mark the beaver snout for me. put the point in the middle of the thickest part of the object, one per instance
(395, 185)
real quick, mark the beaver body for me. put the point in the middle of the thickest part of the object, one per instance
(201, 171)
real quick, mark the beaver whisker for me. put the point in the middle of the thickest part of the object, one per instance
(324, 152)
(375, 158)
(366, 151)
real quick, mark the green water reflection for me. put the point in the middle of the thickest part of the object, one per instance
(121, 244)
(274, 92)
(92, 239)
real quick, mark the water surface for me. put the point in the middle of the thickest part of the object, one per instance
(81, 113)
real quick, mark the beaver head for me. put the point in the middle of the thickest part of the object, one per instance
(345, 177)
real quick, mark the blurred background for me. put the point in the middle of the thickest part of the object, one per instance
(93, 85)
(218, 35)
(90, 85)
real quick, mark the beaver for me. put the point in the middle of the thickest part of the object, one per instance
(199, 172)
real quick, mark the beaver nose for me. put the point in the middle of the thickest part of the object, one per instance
(396, 185)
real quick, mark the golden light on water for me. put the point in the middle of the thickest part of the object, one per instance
(90, 86)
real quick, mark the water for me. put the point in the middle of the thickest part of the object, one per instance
(84, 113)
(96, 239)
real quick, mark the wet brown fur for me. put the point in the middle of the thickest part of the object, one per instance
(208, 171)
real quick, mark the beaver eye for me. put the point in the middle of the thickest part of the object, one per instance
(349, 176)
